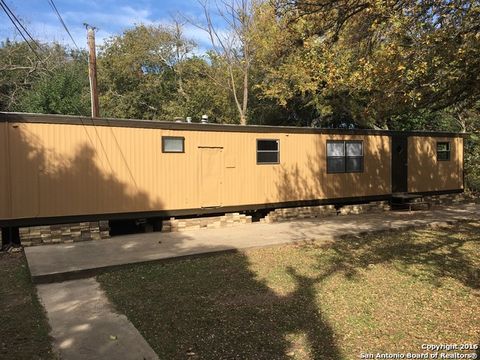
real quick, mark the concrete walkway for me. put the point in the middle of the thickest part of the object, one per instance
(84, 325)
(79, 260)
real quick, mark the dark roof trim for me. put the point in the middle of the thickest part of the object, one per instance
(170, 125)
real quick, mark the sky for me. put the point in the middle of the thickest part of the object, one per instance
(110, 17)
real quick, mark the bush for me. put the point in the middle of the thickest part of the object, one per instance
(472, 162)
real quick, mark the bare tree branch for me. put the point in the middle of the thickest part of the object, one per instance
(231, 45)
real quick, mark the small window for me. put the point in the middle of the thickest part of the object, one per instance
(443, 151)
(172, 144)
(268, 152)
(344, 156)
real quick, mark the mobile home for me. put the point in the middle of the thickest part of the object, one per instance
(58, 169)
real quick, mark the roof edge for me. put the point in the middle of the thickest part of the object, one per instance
(18, 117)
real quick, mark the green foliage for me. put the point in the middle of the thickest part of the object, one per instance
(149, 73)
(472, 162)
(407, 66)
(66, 91)
(424, 120)
(135, 73)
(20, 69)
(371, 61)
(205, 93)
(471, 122)
(14, 65)
(56, 83)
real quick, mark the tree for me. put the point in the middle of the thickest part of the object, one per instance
(66, 91)
(141, 72)
(367, 62)
(149, 72)
(205, 94)
(233, 47)
(20, 69)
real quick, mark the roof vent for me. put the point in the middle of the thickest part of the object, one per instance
(204, 119)
(189, 119)
(178, 119)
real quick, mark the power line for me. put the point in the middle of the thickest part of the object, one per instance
(19, 23)
(52, 4)
(12, 16)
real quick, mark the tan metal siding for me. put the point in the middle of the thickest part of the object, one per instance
(27, 159)
(65, 170)
(4, 173)
(425, 173)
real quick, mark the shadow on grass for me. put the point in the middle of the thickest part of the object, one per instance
(215, 308)
(224, 307)
(430, 254)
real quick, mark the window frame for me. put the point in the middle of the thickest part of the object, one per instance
(173, 138)
(268, 151)
(448, 151)
(345, 157)
(362, 157)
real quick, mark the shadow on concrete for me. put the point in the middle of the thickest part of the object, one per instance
(85, 327)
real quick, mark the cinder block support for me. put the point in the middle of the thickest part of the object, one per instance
(227, 220)
(64, 233)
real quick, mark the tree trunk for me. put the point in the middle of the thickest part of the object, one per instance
(243, 117)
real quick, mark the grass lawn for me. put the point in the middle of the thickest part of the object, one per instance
(23, 324)
(383, 293)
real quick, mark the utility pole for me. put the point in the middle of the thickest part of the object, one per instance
(92, 70)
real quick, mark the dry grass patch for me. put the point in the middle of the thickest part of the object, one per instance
(382, 293)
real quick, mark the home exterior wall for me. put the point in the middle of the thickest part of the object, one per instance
(425, 173)
(68, 170)
(4, 172)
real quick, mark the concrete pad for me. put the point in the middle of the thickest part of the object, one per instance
(67, 261)
(84, 325)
